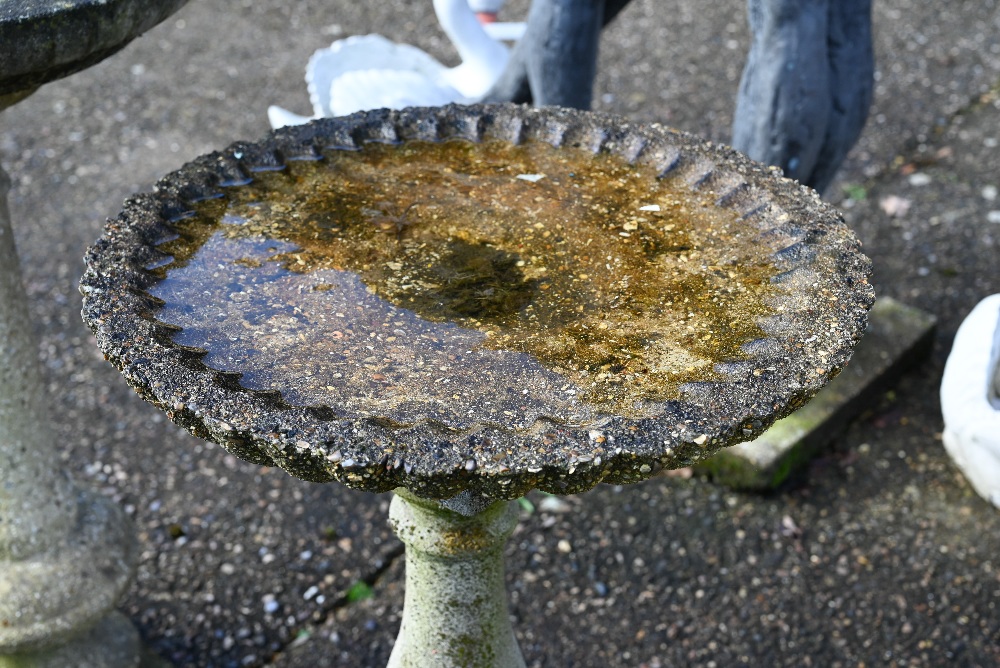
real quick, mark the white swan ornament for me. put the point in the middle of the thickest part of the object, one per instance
(371, 72)
(970, 399)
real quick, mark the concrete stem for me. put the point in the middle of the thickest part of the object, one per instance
(455, 610)
(66, 555)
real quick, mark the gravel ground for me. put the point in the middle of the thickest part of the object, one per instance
(878, 554)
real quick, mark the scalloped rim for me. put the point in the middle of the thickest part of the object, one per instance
(810, 339)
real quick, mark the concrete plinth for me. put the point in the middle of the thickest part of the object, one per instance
(112, 643)
(455, 610)
(66, 555)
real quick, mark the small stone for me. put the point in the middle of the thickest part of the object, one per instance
(989, 193)
(564, 546)
(553, 504)
(919, 179)
(993, 216)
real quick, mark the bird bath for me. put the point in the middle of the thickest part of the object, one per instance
(66, 553)
(463, 304)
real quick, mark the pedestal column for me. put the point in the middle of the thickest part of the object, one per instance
(66, 555)
(455, 612)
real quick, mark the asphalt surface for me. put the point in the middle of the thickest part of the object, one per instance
(879, 554)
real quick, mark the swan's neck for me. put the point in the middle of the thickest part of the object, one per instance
(474, 46)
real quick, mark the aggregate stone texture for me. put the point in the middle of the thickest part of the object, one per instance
(905, 572)
(818, 307)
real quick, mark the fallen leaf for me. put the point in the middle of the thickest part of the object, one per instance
(894, 206)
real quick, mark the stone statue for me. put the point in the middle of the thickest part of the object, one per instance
(970, 399)
(807, 85)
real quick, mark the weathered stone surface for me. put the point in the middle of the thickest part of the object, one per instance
(875, 525)
(41, 40)
(818, 311)
(111, 643)
(456, 614)
(898, 337)
(66, 555)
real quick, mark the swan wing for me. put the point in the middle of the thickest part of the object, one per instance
(279, 117)
(361, 52)
(359, 90)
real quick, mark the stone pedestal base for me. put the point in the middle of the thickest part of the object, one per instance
(112, 643)
(52, 595)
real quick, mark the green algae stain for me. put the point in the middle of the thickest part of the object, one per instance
(625, 284)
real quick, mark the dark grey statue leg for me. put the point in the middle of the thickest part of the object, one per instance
(852, 79)
(556, 60)
(562, 72)
(807, 85)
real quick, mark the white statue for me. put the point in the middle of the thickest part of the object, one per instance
(370, 72)
(970, 399)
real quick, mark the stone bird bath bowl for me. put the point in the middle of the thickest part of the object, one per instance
(463, 304)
